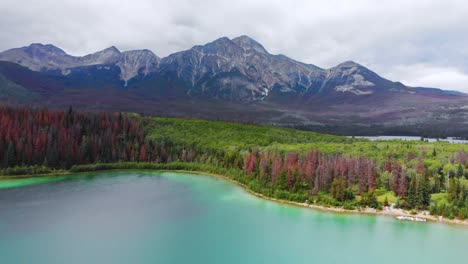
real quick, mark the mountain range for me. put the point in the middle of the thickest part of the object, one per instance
(230, 79)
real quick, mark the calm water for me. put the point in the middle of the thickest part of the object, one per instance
(145, 217)
(412, 138)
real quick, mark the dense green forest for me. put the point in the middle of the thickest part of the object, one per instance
(330, 170)
(278, 162)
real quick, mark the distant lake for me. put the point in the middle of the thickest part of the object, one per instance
(144, 217)
(448, 139)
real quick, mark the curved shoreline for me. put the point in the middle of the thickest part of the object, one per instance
(367, 211)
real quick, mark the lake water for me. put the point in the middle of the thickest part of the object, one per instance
(448, 139)
(143, 217)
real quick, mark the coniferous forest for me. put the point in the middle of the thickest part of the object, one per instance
(60, 139)
(281, 163)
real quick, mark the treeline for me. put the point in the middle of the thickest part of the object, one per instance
(320, 177)
(314, 172)
(27, 170)
(457, 200)
(342, 173)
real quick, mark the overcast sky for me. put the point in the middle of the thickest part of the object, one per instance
(418, 42)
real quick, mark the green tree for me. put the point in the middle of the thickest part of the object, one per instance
(398, 203)
(441, 174)
(452, 190)
(338, 189)
(436, 184)
(373, 200)
(349, 194)
(460, 171)
(282, 180)
(413, 198)
(425, 192)
(461, 197)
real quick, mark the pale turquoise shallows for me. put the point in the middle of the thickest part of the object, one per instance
(141, 217)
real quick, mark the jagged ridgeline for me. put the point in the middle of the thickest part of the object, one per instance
(278, 162)
(230, 79)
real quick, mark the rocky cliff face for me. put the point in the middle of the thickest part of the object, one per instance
(38, 57)
(350, 77)
(137, 62)
(238, 69)
(43, 58)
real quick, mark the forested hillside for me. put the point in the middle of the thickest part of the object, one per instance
(281, 163)
(337, 171)
(60, 139)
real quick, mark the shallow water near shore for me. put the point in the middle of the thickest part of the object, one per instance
(166, 217)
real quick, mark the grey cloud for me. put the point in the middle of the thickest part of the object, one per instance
(422, 43)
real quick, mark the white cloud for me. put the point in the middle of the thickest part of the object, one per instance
(382, 35)
(430, 76)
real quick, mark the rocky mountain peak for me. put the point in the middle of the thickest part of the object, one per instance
(348, 64)
(45, 48)
(136, 62)
(234, 69)
(220, 46)
(36, 56)
(112, 49)
(248, 43)
(106, 56)
(348, 67)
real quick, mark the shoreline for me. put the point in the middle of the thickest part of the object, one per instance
(366, 211)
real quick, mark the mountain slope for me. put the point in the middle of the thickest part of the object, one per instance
(44, 58)
(231, 79)
(239, 69)
(14, 93)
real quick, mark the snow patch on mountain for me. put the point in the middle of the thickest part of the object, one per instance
(351, 89)
(360, 81)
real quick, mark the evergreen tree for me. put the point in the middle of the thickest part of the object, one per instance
(386, 201)
(373, 200)
(425, 192)
(460, 171)
(461, 197)
(398, 203)
(338, 189)
(442, 179)
(282, 180)
(413, 196)
(437, 184)
(452, 189)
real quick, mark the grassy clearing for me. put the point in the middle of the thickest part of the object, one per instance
(391, 198)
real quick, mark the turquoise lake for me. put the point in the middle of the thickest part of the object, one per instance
(162, 217)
